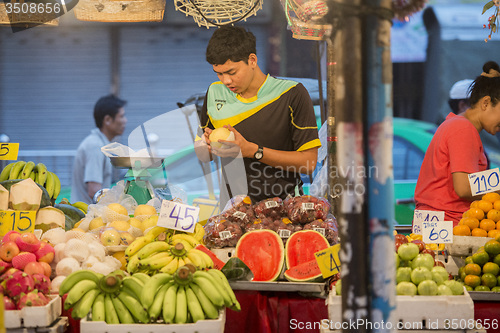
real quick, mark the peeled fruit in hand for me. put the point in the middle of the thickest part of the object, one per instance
(220, 133)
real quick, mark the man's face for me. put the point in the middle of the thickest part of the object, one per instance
(117, 124)
(237, 76)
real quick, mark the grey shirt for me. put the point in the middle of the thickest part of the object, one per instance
(90, 165)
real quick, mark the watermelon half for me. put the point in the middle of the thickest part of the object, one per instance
(299, 253)
(263, 252)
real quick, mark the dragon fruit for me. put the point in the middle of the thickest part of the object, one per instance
(32, 298)
(42, 283)
(18, 283)
(8, 303)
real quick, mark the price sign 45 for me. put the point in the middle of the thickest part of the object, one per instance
(174, 215)
(21, 221)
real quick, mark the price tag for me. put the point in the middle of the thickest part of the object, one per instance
(9, 151)
(437, 232)
(18, 220)
(328, 260)
(174, 215)
(484, 181)
(420, 216)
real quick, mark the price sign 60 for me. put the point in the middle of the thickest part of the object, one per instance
(437, 232)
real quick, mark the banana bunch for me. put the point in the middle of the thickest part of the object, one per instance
(150, 256)
(187, 296)
(83, 206)
(37, 172)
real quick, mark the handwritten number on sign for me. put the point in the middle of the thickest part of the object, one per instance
(4, 149)
(189, 216)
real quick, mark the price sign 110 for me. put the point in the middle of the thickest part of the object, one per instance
(484, 181)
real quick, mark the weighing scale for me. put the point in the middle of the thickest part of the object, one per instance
(138, 177)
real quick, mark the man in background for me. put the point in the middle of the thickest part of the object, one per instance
(92, 170)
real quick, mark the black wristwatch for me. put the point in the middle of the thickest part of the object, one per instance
(259, 153)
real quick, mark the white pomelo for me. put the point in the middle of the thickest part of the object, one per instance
(220, 133)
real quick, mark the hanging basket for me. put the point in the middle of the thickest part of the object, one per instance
(28, 13)
(210, 13)
(305, 19)
(120, 11)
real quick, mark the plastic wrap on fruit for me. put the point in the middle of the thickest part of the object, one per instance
(272, 207)
(327, 228)
(220, 232)
(257, 224)
(285, 228)
(239, 210)
(306, 208)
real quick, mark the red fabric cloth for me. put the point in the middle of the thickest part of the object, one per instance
(455, 147)
(273, 312)
(488, 314)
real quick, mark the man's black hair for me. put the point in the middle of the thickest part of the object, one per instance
(230, 43)
(107, 105)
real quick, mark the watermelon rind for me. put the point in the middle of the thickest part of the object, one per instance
(302, 245)
(263, 252)
(308, 271)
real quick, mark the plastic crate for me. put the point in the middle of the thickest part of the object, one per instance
(466, 245)
(424, 312)
(34, 316)
(201, 326)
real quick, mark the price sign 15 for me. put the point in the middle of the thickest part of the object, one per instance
(437, 232)
(328, 260)
(420, 215)
(18, 220)
(484, 181)
(174, 215)
(9, 151)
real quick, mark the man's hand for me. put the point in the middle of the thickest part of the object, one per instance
(239, 147)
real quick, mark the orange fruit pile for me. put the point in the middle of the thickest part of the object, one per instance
(482, 219)
(482, 270)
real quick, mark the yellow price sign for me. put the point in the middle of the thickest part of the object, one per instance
(328, 260)
(9, 151)
(18, 220)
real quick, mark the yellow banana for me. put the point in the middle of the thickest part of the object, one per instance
(152, 248)
(188, 238)
(171, 267)
(136, 245)
(199, 232)
(196, 259)
(57, 185)
(156, 261)
(155, 232)
(83, 206)
(50, 184)
(5, 174)
(16, 169)
(133, 264)
(41, 172)
(208, 261)
(26, 171)
(187, 246)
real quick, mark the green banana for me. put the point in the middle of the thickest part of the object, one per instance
(4, 175)
(150, 288)
(169, 304)
(123, 313)
(81, 205)
(16, 169)
(209, 289)
(50, 184)
(32, 175)
(57, 185)
(136, 245)
(41, 172)
(181, 306)
(111, 283)
(25, 172)
(217, 283)
(111, 316)
(194, 305)
(133, 284)
(219, 276)
(133, 264)
(142, 276)
(152, 248)
(71, 280)
(155, 308)
(77, 292)
(83, 306)
(209, 308)
(98, 308)
(135, 307)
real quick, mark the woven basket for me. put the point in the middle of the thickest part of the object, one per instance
(305, 19)
(120, 10)
(309, 31)
(25, 19)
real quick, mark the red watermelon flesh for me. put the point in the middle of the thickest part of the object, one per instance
(217, 262)
(306, 272)
(263, 252)
(302, 245)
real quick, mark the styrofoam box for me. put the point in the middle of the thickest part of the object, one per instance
(225, 253)
(438, 311)
(466, 245)
(34, 316)
(201, 326)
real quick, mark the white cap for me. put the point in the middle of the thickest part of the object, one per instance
(460, 89)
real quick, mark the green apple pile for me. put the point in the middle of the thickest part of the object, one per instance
(481, 271)
(418, 274)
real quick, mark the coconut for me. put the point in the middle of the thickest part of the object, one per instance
(49, 218)
(4, 198)
(25, 195)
